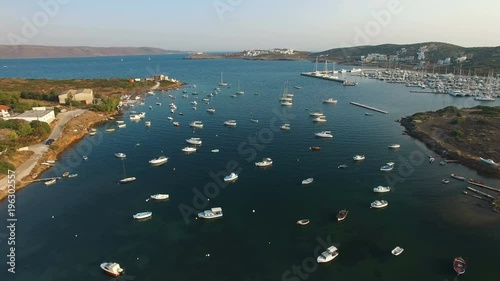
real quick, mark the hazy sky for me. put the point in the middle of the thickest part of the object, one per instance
(233, 25)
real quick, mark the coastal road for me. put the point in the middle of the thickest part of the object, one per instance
(155, 86)
(39, 149)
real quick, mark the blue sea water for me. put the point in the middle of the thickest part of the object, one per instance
(66, 230)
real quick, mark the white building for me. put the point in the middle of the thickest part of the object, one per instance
(461, 59)
(42, 114)
(4, 111)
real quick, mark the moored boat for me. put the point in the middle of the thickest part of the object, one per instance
(343, 166)
(308, 181)
(189, 149)
(358, 158)
(303, 222)
(112, 268)
(159, 196)
(120, 155)
(264, 163)
(230, 123)
(65, 174)
(328, 255)
(324, 134)
(330, 101)
(459, 265)
(397, 251)
(388, 167)
(196, 124)
(73, 176)
(381, 189)
(158, 161)
(211, 214)
(377, 204)
(315, 148)
(231, 177)
(195, 141)
(285, 127)
(342, 214)
(394, 145)
(142, 215)
(445, 181)
(488, 161)
(455, 176)
(50, 182)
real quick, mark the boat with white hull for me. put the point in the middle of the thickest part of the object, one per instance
(231, 177)
(142, 215)
(196, 124)
(378, 204)
(324, 134)
(328, 255)
(213, 213)
(112, 268)
(230, 123)
(159, 196)
(381, 189)
(158, 161)
(195, 141)
(264, 163)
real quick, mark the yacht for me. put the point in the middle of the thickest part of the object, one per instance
(211, 214)
(147, 123)
(358, 158)
(328, 255)
(324, 134)
(264, 163)
(196, 124)
(342, 215)
(159, 196)
(127, 180)
(195, 141)
(222, 83)
(286, 103)
(377, 204)
(330, 101)
(484, 98)
(112, 268)
(321, 118)
(303, 222)
(231, 177)
(230, 123)
(316, 113)
(158, 161)
(142, 215)
(308, 181)
(388, 167)
(285, 127)
(488, 161)
(120, 155)
(211, 110)
(381, 189)
(397, 251)
(394, 146)
(189, 149)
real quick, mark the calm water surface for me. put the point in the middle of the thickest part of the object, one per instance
(66, 230)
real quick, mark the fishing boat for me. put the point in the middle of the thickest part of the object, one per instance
(158, 161)
(388, 167)
(459, 265)
(315, 148)
(231, 177)
(342, 215)
(303, 222)
(394, 146)
(142, 215)
(381, 189)
(397, 251)
(112, 268)
(211, 214)
(50, 182)
(120, 155)
(488, 161)
(195, 141)
(328, 255)
(159, 196)
(230, 123)
(455, 176)
(308, 181)
(377, 204)
(324, 134)
(358, 158)
(330, 101)
(285, 127)
(264, 163)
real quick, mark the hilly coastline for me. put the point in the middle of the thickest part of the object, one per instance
(37, 51)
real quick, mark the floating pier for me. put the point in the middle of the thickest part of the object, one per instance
(480, 192)
(484, 186)
(322, 75)
(369, 107)
(475, 196)
(45, 179)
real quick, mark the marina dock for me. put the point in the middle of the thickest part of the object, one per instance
(324, 76)
(369, 107)
(484, 186)
(45, 179)
(480, 192)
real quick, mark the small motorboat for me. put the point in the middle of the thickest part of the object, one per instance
(328, 255)
(112, 268)
(316, 113)
(315, 148)
(195, 141)
(488, 161)
(324, 134)
(127, 180)
(394, 146)
(320, 119)
(159, 196)
(303, 222)
(110, 130)
(85, 157)
(388, 167)
(264, 163)
(381, 189)
(147, 123)
(211, 110)
(211, 214)
(342, 166)
(231, 177)
(285, 127)
(459, 265)
(142, 215)
(121, 126)
(377, 204)
(445, 181)
(230, 123)
(73, 176)
(431, 160)
(176, 124)
(189, 149)
(397, 251)
(455, 176)
(214, 150)
(308, 181)
(65, 174)
(368, 114)
(170, 118)
(342, 215)
(358, 158)
(50, 182)
(158, 161)
(330, 101)
(254, 120)
(196, 124)
(120, 155)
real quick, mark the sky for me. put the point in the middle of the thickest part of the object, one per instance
(235, 25)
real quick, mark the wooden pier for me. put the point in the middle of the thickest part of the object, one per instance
(484, 186)
(369, 107)
(480, 192)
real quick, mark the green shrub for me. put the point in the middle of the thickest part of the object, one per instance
(5, 167)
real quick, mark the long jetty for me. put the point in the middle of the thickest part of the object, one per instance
(484, 186)
(45, 179)
(323, 76)
(369, 107)
(480, 192)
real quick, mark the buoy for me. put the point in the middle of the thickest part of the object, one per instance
(52, 216)
(174, 169)
(253, 211)
(76, 235)
(208, 199)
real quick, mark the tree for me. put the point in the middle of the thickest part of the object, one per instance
(24, 129)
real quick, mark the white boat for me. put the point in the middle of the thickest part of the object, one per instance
(381, 189)
(394, 145)
(431, 160)
(303, 222)
(316, 113)
(230, 123)
(222, 83)
(142, 115)
(112, 268)
(121, 126)
(211, 214)
(211, 110)
(397, 251)
(189, 149)
(388, 167)
(120, 155)
(92, 133)
(117, 122)
(195, 141)
(176, 124)
(324, 134)
(158, 103)
(484, 98)
(328, 255)
(170, 118)
(231, 177)
(158, 161)
(488, 161)
(286, 103)
(308, 181)
(321, 118)
(159, 196)
(135, 117)
(73, 176)
(239, 92)
(285, 127)
(254, 120)
(377, 204)
(147, 123)
(194, 103)
(50, 182)
(264, 163)
(127, 180)
(214, 150)
(330, 101)
(196, 124)
(142, 215)
(84, 157)
(358, 158)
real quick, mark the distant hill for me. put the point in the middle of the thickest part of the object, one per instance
(272, 54)
(38, 51)
(478, 59)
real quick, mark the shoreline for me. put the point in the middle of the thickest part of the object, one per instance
(68, 138)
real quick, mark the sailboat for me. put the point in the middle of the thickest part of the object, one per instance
(222, 83)
(239, 92)
(125, 179)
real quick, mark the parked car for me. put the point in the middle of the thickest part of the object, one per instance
(49, 141)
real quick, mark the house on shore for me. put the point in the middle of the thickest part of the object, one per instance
(4, 111)
(84, 95)
(43, 114)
